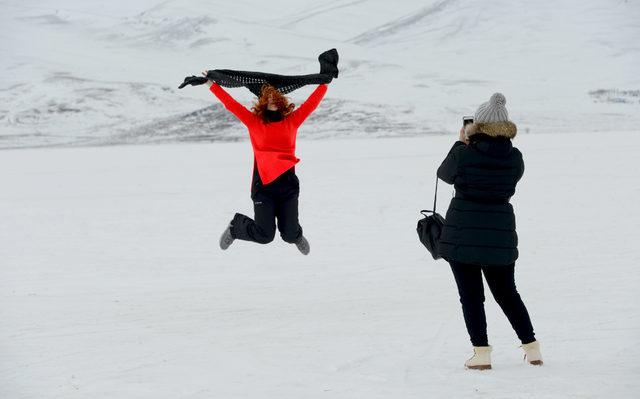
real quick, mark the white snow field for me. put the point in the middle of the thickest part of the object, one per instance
(112, 284)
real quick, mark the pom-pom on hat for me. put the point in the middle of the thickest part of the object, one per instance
(493, 110)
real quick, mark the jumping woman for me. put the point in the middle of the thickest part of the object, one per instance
(273, 124)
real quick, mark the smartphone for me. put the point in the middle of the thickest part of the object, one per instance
(466, 120)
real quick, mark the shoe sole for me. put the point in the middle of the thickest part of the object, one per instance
(304, 251)
(479, 367)
(221, 242)
(225, 247)
(536, 362)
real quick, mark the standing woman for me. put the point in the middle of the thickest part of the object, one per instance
(479, 236)
(273, 126)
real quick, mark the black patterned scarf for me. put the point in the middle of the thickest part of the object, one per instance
(284, 83)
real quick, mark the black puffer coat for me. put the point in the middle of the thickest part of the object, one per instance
(480, 224)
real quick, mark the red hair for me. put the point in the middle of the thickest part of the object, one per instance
(285, 107)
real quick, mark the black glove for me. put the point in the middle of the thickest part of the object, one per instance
(193, 81)
(329, 63)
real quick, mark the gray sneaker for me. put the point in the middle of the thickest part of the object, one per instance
(226, 239)
(303, 245)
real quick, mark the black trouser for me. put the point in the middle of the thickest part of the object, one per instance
(502, 284)
(276, 200)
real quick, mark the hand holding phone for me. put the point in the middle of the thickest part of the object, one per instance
(463, 136)
(466, 120)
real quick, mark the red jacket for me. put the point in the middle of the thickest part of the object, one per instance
(274, 143)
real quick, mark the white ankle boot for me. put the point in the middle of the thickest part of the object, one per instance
(532, 353)
(481, 359)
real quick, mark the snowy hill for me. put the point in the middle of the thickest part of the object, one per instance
(84, 72)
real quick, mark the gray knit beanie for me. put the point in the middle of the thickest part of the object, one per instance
(493, 110)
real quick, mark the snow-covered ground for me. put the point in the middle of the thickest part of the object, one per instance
(78, 72)
(111, 281)
(112, 284)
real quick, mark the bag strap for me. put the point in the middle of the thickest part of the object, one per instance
(435, 200)
(435, 196)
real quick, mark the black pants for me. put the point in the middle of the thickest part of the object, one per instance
(276, 200)
(502, 284)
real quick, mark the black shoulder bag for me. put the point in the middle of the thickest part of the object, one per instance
(430, 227)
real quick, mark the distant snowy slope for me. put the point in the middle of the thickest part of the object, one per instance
(86, 72)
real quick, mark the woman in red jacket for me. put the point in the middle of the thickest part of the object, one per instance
(273, 125)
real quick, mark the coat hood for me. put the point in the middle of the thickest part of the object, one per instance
(506, 129)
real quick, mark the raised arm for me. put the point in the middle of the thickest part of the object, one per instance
(448, 170)
(299, 115)
(232, 105)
